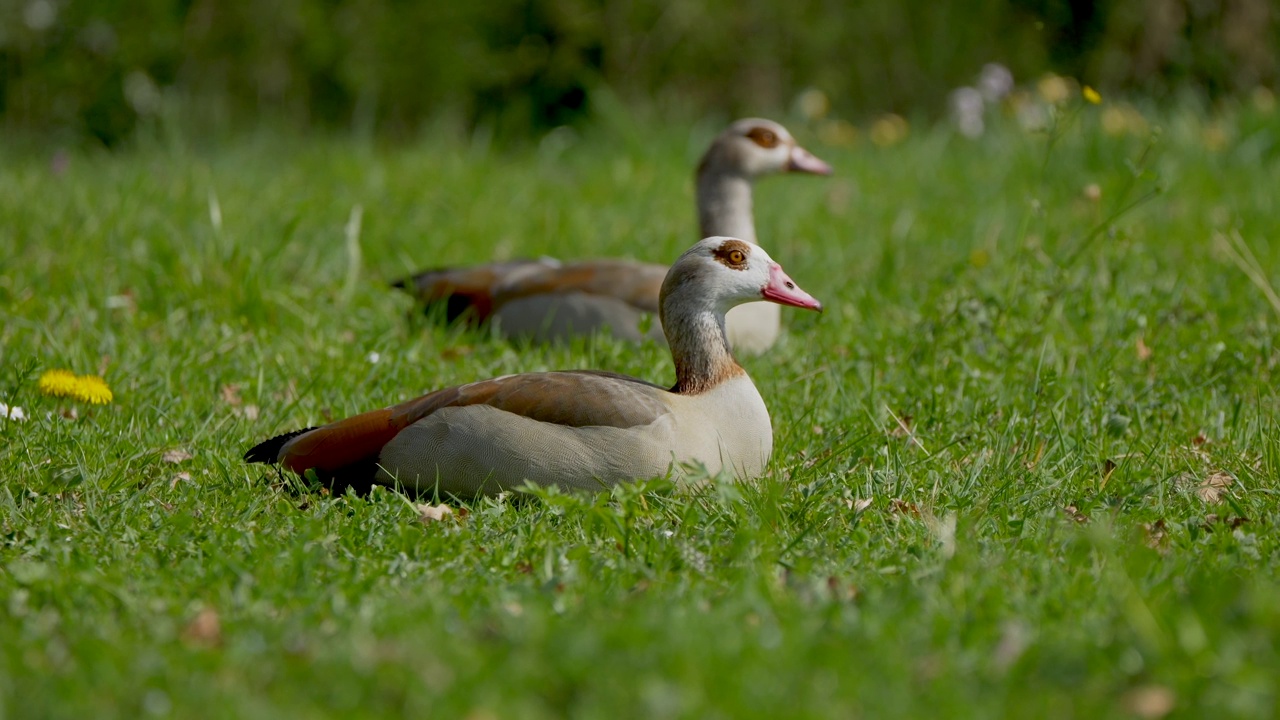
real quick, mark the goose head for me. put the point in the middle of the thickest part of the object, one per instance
(708, 280)
(719, 273)
(755, 147)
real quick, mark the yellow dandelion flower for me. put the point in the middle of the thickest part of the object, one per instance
(58, 383)
(840, 133)
(1091, 95)
(889, 130)
(85, 388)
(93, 389)
(1054, 89)
(813, 104)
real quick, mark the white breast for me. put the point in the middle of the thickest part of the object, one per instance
(727, 429)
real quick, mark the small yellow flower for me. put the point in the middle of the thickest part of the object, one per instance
(840, 133)
(889, 130)
(85, 388)
(58, 383)
(93, 390)
(1091, 95)
(1054, 89)
(813, 104)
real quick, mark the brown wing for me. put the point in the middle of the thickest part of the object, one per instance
(635, 283)
(468, 291)
(478, 290)
(576, 399)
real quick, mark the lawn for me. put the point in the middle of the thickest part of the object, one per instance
(1026, 464)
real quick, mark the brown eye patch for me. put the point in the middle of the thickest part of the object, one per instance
(733, 254)
(764, 137)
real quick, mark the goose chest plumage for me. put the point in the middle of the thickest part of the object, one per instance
(546, 300)
(578, 429)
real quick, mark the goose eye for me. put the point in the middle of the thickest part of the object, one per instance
(732, 254)
(763, 137)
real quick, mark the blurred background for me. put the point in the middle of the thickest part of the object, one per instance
(100, 71)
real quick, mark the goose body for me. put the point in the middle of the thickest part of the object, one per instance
(546, 300)
(577, 429)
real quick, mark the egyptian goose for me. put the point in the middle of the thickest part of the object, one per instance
(579, 429)
(546, 300)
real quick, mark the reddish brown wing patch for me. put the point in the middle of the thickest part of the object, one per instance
(634, 283)
(338, 445)
(764, 137)
(733, 254)
(464, 290)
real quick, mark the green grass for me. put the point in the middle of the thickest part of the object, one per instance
(1036, 546)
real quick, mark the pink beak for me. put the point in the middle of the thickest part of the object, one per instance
(784, 291)
(802, 160)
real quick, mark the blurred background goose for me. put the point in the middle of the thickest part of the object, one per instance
(579, 429)
(547, 300)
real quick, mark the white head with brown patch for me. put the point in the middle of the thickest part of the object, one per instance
(719, 273)
(754, 147)
(708, 280)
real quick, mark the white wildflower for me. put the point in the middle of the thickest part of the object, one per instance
(995, 81)
(14, 413)
(966, 110)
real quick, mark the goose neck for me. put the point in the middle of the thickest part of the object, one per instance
(724, 204)
(699, 346)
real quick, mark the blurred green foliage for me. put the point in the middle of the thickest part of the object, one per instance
(100, 67)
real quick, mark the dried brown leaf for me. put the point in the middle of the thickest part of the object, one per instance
(433, 513)
(1144, 352)
(1157, 536)
(841, 590)
(204, 629)
(1149, 701)
(175, 456)
(1074, 513)
(231, 394)
(1211, 490)
(180, 477)
(899, 506)
(1212, 521)
(437, 513)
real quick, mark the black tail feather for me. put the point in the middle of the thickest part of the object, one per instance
(268, 451)
(445, 299)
